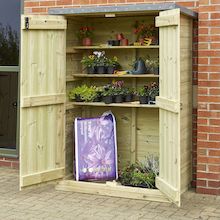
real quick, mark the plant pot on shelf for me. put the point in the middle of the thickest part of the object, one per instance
(143, 99)
(154, 70)
(119, 98)
(108, 99)
(129, 98)
(124, 42)
(87, 41)
(116, 43)
(101, 69)
(97, 99)
(111, 69)
(91, 70)
(78, 98)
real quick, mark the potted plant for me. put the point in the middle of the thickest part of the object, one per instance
(118, 91)
(144, 30)
(108, 94)
(99, 91)
(112, 65)
(83, 93)
(100, 61)
(153, 92)
(141, 174)
(85, 34)
(152, 65)
(143, 94)
(128, 94)
(89, 63)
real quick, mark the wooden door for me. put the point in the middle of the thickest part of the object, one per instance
(42, 99)
(8, 109)
(168, 180)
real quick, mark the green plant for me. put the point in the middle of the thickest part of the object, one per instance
(153, 90)
(108, 91)
(128, 91)
(85, 32)
(152, 62)
(141, 174)
(143, 29)
(143, 91)
(100, 58)
(84, 92)
(88, 61)
(112, 62)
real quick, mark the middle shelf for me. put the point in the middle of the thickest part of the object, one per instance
(115, 75)
(134, 104)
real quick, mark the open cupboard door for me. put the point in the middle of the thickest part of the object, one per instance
(42, 99)
(168, 101)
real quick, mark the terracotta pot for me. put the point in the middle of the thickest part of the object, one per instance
(87, 41)
(119, 36)
(124, 42)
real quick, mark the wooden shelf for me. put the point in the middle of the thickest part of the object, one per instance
(115, 76)
(73, 48)
(102, 104)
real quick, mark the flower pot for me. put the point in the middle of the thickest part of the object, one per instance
(87, 41)
(129, 98)
(111, 69)
(116, 43)
(108, 99)
(119, 36)
(143, 99)
(91, 70)
(124, 42)
(78, 98)
(97, 99)
(110, 42)
(118, 98)
(101, 69)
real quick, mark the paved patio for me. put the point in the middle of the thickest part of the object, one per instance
(45, 203)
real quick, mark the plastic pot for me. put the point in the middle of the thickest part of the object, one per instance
(91, 70)
(100, 69)
(108, 99)
(119, 99)
(143, 99)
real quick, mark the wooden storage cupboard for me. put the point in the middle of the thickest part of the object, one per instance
(50, 67)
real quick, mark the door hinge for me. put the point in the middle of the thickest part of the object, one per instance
(26, 23)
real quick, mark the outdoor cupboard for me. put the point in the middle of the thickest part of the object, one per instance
(50, 67)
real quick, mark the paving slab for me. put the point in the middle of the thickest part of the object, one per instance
(44, 202)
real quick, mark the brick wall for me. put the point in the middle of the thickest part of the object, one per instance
(9, 162)
(206, 60)
(208, 146)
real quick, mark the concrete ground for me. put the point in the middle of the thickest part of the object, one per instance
(44, 202)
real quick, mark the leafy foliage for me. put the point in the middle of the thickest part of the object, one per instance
(9, 46)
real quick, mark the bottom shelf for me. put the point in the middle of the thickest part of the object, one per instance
(112, 189)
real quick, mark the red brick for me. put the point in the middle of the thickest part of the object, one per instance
(203, 175)
(202, 60)
(209, 83)
(203, 2)
(202, 121)
(5, 163)
(187, 4)
(202, 136)
(99, 2)
(215, 15)
(31, 4)
(215, 2)
(215, 61)
(215, 46)
(214, 91)
(209, 68)
(208, 129)
(203, 16)
(214, 107)
(201, 182)
(214, 121)
(39, 10)
(208, 160)
(214, 152)
(64, 2)
(201, 167)
(208, 53)
(214, 137)
(213, 168)
(208, 99)
(208, 144)
(209, 8)
(214, 184)
(208, 191)
(47, 3)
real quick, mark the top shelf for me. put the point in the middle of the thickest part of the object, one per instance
(71, 49)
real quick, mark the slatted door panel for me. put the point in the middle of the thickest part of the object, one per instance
(169, 103)
(42, 99)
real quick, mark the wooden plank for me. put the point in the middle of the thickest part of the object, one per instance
(168, 20)
(42, 84)
(115, 75)
(113, 190)
(167, 104)
(45, 176)
(173, 193)
(43, 100)
(74, 48)
(40, 23)
(124, 104)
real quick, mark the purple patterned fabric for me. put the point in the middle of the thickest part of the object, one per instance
(96, 148)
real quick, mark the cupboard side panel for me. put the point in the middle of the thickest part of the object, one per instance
(186, 100)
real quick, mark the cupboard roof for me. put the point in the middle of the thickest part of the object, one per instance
(121, 10)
